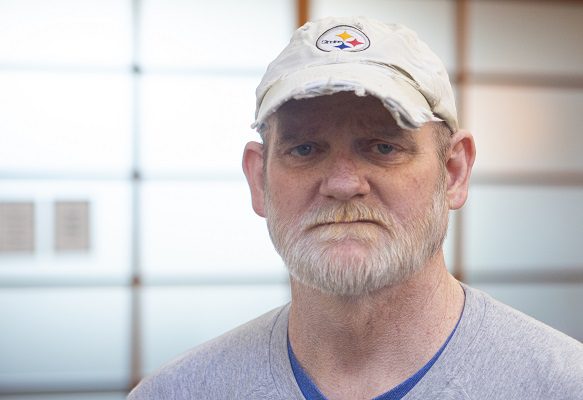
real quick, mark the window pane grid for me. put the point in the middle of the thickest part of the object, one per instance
(138, 177)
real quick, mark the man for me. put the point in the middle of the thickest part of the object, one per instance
(361, 161)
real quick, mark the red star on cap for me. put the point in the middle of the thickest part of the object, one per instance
(354, 42)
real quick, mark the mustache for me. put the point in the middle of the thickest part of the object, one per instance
(347, 212)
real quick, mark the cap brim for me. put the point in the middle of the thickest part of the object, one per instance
(405, 103)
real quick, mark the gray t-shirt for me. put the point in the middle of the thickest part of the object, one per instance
(495, 353)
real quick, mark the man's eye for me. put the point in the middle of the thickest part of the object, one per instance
(303, 150)
(384, 148)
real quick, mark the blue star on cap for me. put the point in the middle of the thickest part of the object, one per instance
(342, 46)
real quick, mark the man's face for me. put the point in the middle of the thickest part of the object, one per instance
(353, 202)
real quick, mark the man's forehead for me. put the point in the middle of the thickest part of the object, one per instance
(326, 112)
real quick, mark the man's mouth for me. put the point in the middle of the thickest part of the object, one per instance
(346, 222)
(346, 216)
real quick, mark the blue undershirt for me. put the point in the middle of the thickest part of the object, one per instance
(311, 391)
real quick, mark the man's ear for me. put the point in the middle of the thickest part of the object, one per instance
(253, 169)
(459, 168)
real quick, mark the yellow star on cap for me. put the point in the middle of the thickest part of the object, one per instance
(344, 35)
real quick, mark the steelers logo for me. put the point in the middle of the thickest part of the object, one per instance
(343, 38)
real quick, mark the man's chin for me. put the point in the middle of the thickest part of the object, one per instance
(347, 251)
(343, 268)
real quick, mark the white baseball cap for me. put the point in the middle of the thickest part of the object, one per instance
(367, 57)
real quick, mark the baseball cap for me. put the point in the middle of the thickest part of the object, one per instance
(365, 56)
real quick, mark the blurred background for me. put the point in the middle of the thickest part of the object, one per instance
(126, 229)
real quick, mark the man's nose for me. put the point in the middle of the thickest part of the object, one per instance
(344, 179)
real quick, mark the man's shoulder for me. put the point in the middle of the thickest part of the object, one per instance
(508, 326)
(516, 350)
(226, 364)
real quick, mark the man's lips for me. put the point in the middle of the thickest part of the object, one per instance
(348, 222)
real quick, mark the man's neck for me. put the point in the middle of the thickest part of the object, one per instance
(361, 347)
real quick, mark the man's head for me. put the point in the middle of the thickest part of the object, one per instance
(355, 177)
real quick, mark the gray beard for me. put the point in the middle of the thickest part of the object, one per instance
(312, 249)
